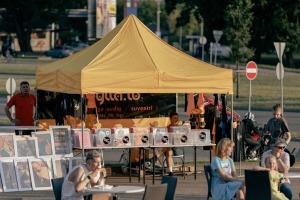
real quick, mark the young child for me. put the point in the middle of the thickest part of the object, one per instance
(275, 177)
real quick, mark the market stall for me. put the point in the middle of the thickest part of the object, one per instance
(132, 59)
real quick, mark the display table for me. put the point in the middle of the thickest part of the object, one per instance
(153, 147)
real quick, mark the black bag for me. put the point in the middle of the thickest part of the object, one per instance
(292, 157)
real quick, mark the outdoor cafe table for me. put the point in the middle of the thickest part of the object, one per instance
(20, 128)
(115, 190)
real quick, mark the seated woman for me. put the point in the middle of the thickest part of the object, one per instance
(83, 176)
(224, 181)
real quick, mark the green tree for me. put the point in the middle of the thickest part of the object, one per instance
(283, 25)
(276, 21)
(238, 17)
(22, 17)
(210, 12)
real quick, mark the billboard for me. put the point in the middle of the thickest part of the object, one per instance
(108, 106)
(134, 105)
(106, 11)
(130, 7)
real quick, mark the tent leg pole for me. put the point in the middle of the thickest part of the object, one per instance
(231, 117)
(177, 102)
(81, 113)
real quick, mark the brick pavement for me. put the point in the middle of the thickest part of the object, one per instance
(187, 189)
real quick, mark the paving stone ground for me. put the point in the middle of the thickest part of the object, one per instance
(187, 189)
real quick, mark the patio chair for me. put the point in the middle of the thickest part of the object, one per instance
(172, 184)
(157, 192)
(178, 161)
(57, 186)
(258, 185)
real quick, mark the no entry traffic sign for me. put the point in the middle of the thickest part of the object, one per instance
(251, 70)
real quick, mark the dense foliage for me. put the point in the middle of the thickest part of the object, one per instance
(21, 17)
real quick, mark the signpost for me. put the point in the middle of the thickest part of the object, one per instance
(251, 73)
(279, 46)
(217, 35)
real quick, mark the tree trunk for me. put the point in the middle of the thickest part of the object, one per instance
(23, 33)
(24, 41)
(289, 61)
(237, 79)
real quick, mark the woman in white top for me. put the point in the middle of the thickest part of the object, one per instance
(83, 176)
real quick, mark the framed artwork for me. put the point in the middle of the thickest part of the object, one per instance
(77, 134)
(7, 145)
(103, 137)
(23, 174)
(41, 173)
(155, 132)
(45, 143)
(140, 136)
(60, 167)
(159, 136)
(121, 137)
(179, 135)
(26, 147)
(74, 162)
(201, 136)
(8, 176)
(62, 140)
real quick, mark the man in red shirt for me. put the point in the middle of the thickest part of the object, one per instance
(24, 103)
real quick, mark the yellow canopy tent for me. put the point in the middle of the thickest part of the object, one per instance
(132, 59)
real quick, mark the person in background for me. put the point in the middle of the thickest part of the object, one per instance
(251, 129)
(283, 163)
(275, 177)
(278, 126)
(169, 152)
(224, 181)
(83, 176)
(25, 104)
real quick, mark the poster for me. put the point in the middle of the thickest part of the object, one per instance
(105, 17)
(7, 145)
(23, 174)
(62, 140)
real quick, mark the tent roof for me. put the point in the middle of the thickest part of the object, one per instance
(132, 59)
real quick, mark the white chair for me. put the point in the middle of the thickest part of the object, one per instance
(178, 162)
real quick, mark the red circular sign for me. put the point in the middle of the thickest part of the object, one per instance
(251, 70)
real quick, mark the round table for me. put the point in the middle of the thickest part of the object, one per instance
(115, 190)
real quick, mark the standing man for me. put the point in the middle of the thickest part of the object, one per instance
(283, 163)
(24, 103)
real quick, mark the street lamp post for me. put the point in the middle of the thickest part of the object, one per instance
(217, 35)
(158, 33)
